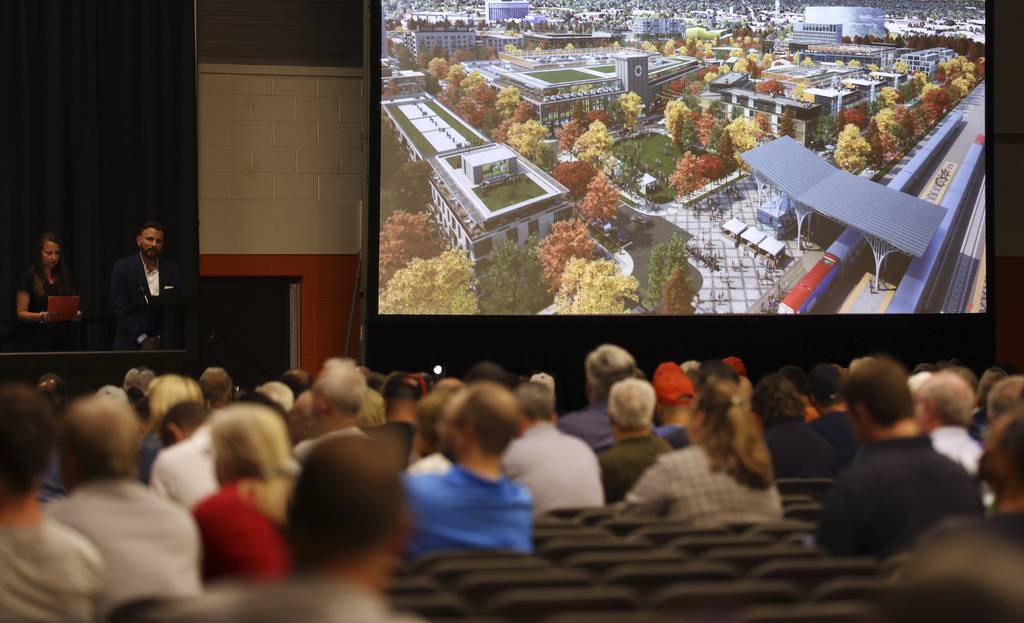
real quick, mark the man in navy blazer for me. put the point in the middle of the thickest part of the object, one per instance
(142, 287)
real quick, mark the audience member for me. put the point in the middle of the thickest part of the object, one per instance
(604, 366)
(50, 572)
(372, 413)
(114, 392)
(796, 450)
(1004, 396)
(943, 408)
(164, 392)
(737, 365)
(375, 381)
(548, 381)
(181, 422)
(724, 476)
(139, 378)
(714, 370)
(401, 392)
(218, 388)
(797, 376)
(279, 393)
(979, 423)
(184, 472)
(899, 487)
(1002, 467)
(55, 390)
(676, 397)
(337, 396)
(559, 470)
(346, 534)
(631, 410)
(150, 547)
(240, 523)
(297, 380)
(473, 506)
(427, 443)
(489, 371)
(301, 423)
(826, 382)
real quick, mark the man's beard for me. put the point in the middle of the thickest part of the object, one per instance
(151, 253)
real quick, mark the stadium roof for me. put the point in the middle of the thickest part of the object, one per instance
(902, 220)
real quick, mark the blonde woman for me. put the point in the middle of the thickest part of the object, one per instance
(724, 476)
(164, 392)
(241, 524)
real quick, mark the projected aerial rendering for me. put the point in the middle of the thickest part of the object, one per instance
(543, 158)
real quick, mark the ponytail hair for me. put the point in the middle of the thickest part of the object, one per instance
(730, 437)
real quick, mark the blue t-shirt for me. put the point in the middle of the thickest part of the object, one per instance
(460, 510)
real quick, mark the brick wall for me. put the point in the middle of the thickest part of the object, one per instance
(281, 186)
(281, 159)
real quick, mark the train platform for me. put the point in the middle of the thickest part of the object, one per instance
(864, 299)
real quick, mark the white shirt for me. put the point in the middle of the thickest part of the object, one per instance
(303, 448)
(560, 470)
(185, 472)
(431, 464)
(956, 444)
(152, 278)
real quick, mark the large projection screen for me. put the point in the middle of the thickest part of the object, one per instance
(768, 158)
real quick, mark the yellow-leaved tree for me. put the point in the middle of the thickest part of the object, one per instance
(595, 287)
(852, 149)
(440, 285)
(526, 137)
(743, 133)
(632, 106)
(594, 145)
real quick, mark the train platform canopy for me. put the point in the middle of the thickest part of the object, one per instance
(901, 220)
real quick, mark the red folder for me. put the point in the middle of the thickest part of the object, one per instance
(62, 308)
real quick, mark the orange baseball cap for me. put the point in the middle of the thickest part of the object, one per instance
(672, 386)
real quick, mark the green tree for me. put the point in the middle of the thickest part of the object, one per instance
(594, 287)
(439, 285)
(513, 280)
(547, 156)
(665, 257)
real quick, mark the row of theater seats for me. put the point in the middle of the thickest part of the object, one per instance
(591, 566)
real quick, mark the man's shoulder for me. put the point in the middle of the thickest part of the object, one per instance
(125, 262)
(72, 546)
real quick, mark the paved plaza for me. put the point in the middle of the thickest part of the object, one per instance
(745, 283)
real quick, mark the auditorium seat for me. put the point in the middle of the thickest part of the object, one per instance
(696, 545)
(532, 604)
(448, 571)
(598, 562)
(545, 521)
(803, 512)
(572, 512)
(432, 606)
(477, 587)
(648, 577)
(781, 529)
(719, 596)
(798, 498)
(413, 585)
(851, 589)
(628, 525)
(811, 572)
(747, 558)
(662, 533)
(546, 533)
(816, 488)
(834, 612)
(597, 515)
(425, 562)
(561, 547)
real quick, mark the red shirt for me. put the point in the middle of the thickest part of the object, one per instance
(238, 540)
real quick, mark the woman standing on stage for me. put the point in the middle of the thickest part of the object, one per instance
(48, 276)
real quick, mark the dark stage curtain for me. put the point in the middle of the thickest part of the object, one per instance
(99, 115)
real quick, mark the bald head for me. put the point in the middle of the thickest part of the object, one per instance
(100, 440)
(300, 417)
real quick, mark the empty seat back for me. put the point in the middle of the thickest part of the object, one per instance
(746, 558)
(598, 562)
(426, 561)
(533, 604)
(448, 571)
(414, 585)
(661, 533)
(851, 589)
(648, 577)
(560, 547)
(436, 605)
(723, 596)
(697, 545)
(835, 612)
(477, 587)
(810, 572)
(803, 512)
(781, 529)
